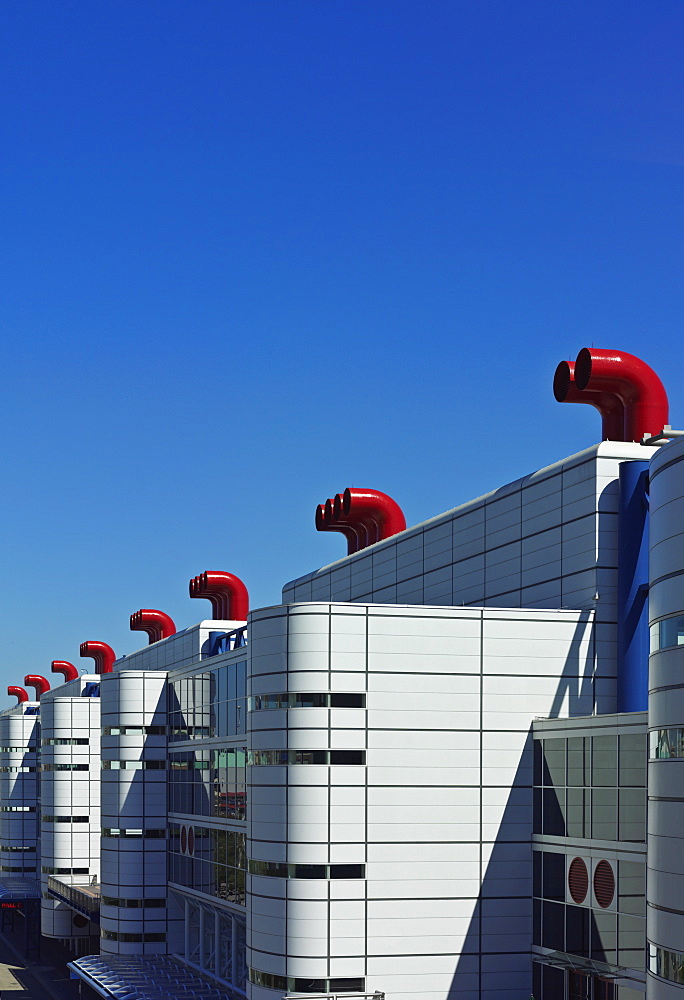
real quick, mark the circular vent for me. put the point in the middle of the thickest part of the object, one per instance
(578, 880)
(80, 921)
(604, 884)
(191, 840)
(184, 840)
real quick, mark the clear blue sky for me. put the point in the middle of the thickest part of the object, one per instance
(254, 252)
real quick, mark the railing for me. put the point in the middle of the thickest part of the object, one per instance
(334, 996)
(84, 897)
(229, 641)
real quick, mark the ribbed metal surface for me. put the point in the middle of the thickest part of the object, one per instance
(578, 880)
(604, 884)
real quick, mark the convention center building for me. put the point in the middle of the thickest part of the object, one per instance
(449, 766)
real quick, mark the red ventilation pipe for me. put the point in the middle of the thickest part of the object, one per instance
(68, 670)
(374, 507)
(363, 516)
(19, 693)
(227, 593)
(366, 528)
(41, 684)
(157, 624)
(103, 655)
(634, 383)
(607, 403)
(356, 534)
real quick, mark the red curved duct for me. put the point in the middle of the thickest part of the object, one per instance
(18, 693)
(157, 624)
(103, 655)
(363, 516)
(227, 593)
(372, 506)
(609, 405)
(68, 670)
(634, 383)
(335, 520)
(41, 684)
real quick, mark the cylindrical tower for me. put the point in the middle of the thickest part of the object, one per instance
(69, 803)
(18, 790)
(665, 884)
(134, 916)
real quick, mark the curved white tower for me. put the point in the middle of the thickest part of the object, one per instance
(665, 883)
(18, 790)
(70, 802)
(134, 907)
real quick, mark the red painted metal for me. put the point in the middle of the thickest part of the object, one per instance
(68, 670)
(326, 522)
(634, 383)
(356, 534)
(103, 655)
(227, 593)
(373, 507)
(609, 405)
(604, 884)
(362, 516)
(18, 692)
(157, 624)
(41, 684)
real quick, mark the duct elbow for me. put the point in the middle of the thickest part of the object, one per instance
(566, 390)
(102, 653)
(40, 684)
(17, 692)
(157, 624)
(226, 592)
(68, 670)
(374, 508)
(634, 383)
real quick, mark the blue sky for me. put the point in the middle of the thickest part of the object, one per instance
(254, 252)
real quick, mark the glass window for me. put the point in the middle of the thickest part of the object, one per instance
(577, 930)
(538, 762)
(604, 762)
(536, 873)
(604, 814)
(631, 940)
(554, 762)
(666, 743)
(632, 887)
(578, 824)
(553, 876)
(554, 812)
(671, 632)
(632, 760)
(553, 926)
(632, 814)
(604, 936)
(578, 761)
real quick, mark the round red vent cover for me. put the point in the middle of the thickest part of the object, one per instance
(578, 880)
(604, 884)
(191, 840)
(184, 840)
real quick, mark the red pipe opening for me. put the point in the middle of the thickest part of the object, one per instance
(103, 655)
(634, 383)
(609, 405)
(41, 684)
(19, 693)
(227, 593)
(157, 624)
(372, 506)
(68, 670)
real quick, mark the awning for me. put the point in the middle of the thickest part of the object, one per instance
(19, 888)
(139, 977)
